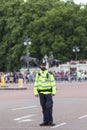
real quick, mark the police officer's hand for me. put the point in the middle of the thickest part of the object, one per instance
(36, 95)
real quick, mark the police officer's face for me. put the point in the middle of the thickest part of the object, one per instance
(43, 67)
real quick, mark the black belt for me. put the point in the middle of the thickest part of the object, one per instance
(46, 90)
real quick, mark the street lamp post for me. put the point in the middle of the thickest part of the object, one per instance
(76, 50)
(27, 42)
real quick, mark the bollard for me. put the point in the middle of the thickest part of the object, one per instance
(20, 82)
(2, 83)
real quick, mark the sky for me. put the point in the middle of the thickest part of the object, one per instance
(80, 1)
(76, 1)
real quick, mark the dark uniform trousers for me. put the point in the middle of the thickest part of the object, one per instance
(47, 106)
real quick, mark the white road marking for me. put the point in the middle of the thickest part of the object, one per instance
(21, 108)
(25, 120)
(64, 123)
(81, 117)
(23, 117)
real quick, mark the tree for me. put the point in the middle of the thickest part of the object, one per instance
(52, 25)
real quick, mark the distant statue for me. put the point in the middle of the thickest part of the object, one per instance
(46, 60)
(31, 60)
(52, 62)
(51, 59)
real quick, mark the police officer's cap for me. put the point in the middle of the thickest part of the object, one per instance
(42, 63)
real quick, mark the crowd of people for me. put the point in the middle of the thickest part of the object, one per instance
(71, 76)
(12, 77)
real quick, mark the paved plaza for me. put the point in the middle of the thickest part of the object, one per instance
(20, 110)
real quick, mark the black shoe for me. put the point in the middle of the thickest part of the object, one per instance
(44, 124)
(51, 124)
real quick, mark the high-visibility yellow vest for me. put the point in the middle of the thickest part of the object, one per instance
(44, 83)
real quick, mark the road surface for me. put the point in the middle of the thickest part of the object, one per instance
(20, 110)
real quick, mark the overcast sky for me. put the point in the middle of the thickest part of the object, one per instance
(76, 1)
(80, 1)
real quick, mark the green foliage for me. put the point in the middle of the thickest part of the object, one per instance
(52, 25)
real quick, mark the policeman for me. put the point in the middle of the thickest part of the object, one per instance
(45, 88)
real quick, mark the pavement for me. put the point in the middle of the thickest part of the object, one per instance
(13, 87)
